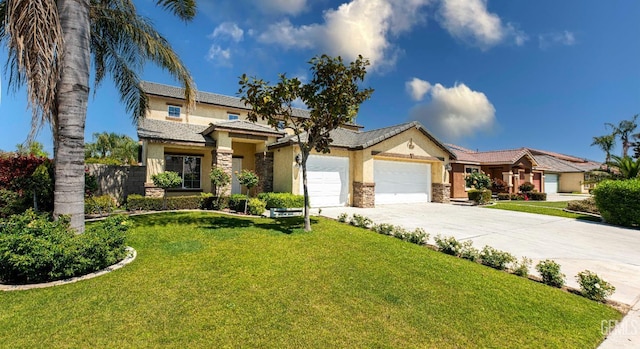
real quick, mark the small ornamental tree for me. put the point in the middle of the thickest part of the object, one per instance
(166, 180)
(248, 179)
(220, 180)
(333, 97)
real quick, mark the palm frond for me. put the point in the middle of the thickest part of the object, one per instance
(184, 9)
(35, 43)
(3, 16)
(122, 41)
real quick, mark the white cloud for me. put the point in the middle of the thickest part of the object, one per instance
(290, 7)
(359, 27)
(470, 21)
(219, 55)
(455, 112)
(565, 38)
(228, 29)
(417, 88)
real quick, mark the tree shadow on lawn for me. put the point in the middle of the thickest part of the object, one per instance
(287, 225)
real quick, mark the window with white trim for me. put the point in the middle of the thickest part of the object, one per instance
(173, 111)
(188, 167)
(233, 116)
(467, 171)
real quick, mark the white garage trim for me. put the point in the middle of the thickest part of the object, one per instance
(550, 183)
(401, 182)
(327, 180)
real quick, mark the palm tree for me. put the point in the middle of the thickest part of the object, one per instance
(50, 45)
(624, 130)
(627, 167)
(606, 143)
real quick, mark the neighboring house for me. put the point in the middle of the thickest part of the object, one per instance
(548, 171)
(401, 163)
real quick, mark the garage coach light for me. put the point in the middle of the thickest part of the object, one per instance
(298, 159)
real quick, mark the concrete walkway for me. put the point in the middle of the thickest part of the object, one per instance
(611, 252)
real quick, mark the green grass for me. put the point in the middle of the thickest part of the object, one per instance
(206, 280)
(549, 208)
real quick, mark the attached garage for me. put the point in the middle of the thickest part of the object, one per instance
(401, 182)
(327, 180)
(550, 183)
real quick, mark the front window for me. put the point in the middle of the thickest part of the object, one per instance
(188, 167)
(234, 116)
(174, 111)
(469, 170)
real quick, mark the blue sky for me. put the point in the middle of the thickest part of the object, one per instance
(485, 75)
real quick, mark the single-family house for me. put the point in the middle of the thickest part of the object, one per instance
(401, 163)
(549, 172)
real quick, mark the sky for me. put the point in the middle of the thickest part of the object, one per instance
(483, 74)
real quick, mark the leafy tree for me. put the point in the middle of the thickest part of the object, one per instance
(248, 179)
(112, 148)
(606, 143)
(627, 167)
(220, 180)
(50, 45)
(166, 180)
(32, 148)
(624, 129)
(332, 96)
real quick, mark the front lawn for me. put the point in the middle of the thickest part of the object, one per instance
(207, 280)
(549, 208)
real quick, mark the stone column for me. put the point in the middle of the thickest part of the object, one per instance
(441, 193)
(222, 159)
(364, 194)
(264, 170)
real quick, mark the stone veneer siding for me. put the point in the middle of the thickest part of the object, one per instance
(441, 193)
(152, 191)
(364, 195)
(222, 158)
(264, 170)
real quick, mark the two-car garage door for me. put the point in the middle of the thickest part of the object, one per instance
(401, 182)
(395, 181)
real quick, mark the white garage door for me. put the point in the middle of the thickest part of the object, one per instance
(327, 180)
(550, 183)
(401, 182)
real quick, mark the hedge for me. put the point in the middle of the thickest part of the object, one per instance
(282, 200)
(137, 202)
(619, 201)
(480, 196)
(536, 196)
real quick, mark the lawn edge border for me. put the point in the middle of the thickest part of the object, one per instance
(131, 256)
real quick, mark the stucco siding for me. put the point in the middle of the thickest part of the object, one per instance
(283, 165)
(571, 182)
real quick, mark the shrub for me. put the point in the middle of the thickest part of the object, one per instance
(550, 272)
(237, 202)
(618, 201)
(25, 181)
(504, 196)
(383, 228)
(360, 221)
(536, 196)
(517, 197)
(587, 205)
(526, 187)
(417, 236)
(496, 259)
(522, 268)
(593, 287)
(137, 202)
(448, 245)
(342, 218)
(103, 204)
(498, 185)
(477, 180)
(12, 203)
(480, 197)
(166, 180)
(35, 249)
(256, 206)
(282, 200)
(467, 251)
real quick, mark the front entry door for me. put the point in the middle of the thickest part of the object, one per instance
(236, 167)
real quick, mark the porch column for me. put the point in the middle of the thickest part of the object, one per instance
(508, 178)
(222, 159)
(264, 170)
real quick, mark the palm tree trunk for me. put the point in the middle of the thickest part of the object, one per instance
(72, 98)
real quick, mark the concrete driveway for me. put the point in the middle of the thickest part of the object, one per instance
(611, 252)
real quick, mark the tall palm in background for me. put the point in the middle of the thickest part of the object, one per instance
(624, 129)
(606, 143)
(50, 45)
